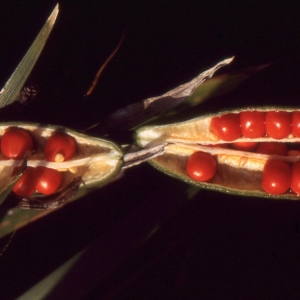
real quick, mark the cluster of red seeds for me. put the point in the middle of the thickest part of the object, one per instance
(17, 143)
(256, 124)
(278, 176)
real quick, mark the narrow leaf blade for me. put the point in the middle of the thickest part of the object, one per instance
(14, 84)
(47, 284)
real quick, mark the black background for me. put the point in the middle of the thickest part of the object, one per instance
(214, 246)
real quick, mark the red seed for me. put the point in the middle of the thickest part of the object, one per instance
(60, 147)
(47, 180)
(252, 124)
(276, 177)
(201, 166)
(296, 123)
(226, 127)
(16, 143)
(25, 186)
(278, 124)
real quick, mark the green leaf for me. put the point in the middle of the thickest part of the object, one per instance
(45, 286)
(108, 251)
(15, 83)
(15, 218)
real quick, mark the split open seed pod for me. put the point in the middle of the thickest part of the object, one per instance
(96, 161)
(237, 172)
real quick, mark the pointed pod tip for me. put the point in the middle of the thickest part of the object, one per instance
(227, 60)
(231, 58)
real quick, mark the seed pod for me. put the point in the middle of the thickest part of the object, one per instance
(96, 161)
(238, 172)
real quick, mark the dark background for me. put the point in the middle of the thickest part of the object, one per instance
(148, 241)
